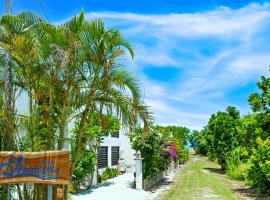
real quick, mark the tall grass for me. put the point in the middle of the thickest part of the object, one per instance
(238, 172)
(236, 169)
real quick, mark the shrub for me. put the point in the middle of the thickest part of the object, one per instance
(236, 168)
(151, 148)
(198, 141)
(84, 167)
(222, 135)
(183, 156)
(107, 174)
(259, 173)
(238, 172)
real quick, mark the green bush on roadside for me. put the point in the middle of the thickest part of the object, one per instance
(84, 167)
(107, 174)
(238, 172)
(183, 156)
(259, 173)
(236, 168)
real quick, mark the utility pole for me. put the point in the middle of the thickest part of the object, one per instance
(8, 7)
(9, 98)
(9, 109)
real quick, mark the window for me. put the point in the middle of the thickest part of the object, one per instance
(115, 155)
(115, 134)
(102, 157)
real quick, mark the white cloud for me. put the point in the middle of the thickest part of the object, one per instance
(221, 22)
(215, 51)
(250, 65)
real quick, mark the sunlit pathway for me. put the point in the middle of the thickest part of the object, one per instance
(201, 180)
(115, 189)
(119, 188)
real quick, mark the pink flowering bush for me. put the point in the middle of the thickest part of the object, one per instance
(170, 151)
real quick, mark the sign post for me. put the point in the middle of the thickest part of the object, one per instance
(49, 192)
(9, 194)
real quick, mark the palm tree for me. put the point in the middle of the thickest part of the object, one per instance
(13, 36)
(105, 84)
(72, 71)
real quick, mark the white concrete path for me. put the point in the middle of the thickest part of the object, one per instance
(120, 188)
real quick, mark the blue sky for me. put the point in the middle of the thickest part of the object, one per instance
(193, 57)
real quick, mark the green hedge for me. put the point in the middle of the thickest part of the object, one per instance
(259, 173)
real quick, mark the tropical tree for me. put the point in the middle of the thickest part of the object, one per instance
(260, 105)
(71, 72)
(222, 134)
(13, 34)
(198, 140)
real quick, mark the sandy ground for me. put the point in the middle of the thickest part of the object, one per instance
(120, 188)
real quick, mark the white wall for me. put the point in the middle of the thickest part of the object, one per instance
(22, 103)
(125, 147)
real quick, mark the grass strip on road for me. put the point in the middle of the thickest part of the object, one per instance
(199, 180)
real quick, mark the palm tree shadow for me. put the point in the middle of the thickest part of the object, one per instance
(91, 190)
(214, 170)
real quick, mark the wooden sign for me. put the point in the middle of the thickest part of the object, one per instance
(50, 167)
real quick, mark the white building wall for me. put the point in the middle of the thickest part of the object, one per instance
(126, 149)
(22, 103)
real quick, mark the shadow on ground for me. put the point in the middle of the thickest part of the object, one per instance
(244, 191)
(214, 170)
(89, 191)
(251, 193)
(163, 183)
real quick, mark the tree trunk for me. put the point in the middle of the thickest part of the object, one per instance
(8, 142)
(62, 129)
(19, 192)
(50, 122)
(78, 141)
(31, 117)
(26, 196)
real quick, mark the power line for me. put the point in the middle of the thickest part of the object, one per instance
(8, 7)
(43, 9)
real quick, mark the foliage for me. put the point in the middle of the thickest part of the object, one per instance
(237, 168)
(177, 135)
(70, 72)
(249, 129)
(223, 134)
(259, 173)
(160, 147)
(260, 103)
(151, 148)
(170, 149)
(238, 172)
(198, 141)
(184, 156)
(84, 74)
(108, 174)
(84, 167)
